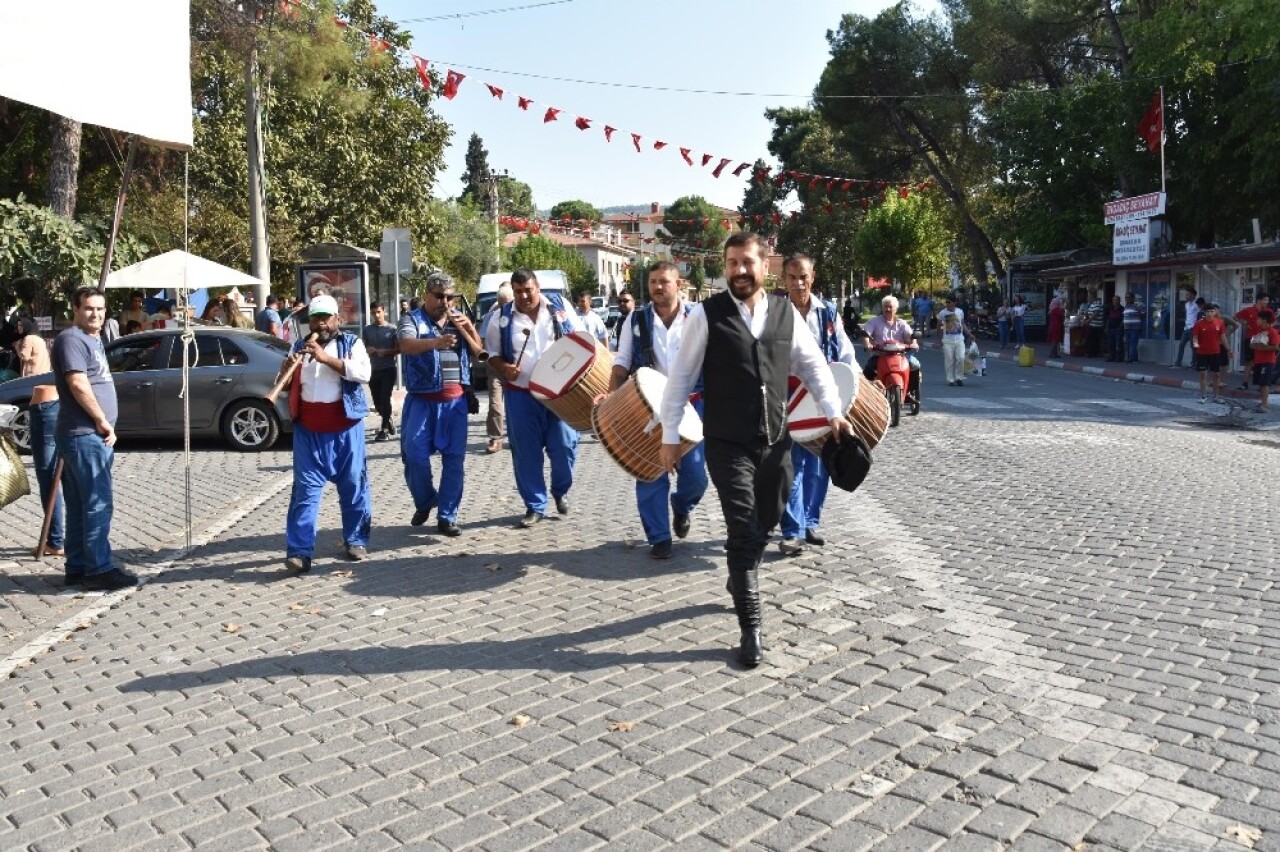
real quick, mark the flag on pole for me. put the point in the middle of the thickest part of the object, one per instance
(1151, 128)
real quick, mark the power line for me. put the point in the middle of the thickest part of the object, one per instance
(458, 15)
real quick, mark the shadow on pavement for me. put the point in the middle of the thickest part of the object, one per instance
(557, 652)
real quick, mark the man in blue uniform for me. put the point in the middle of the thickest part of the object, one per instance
(651, 338)
(437, 344)
(526, 327)
(328, 406)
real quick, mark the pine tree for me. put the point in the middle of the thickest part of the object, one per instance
(474, 179)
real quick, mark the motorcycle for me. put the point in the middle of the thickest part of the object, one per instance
(900, 377)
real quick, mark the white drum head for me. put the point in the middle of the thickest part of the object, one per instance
(651, 385)
(563, 364)
(805, 419)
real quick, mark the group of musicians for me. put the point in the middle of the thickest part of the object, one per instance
(732, 355)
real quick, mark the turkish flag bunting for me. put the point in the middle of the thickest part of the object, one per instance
(813, 183)
(523, 102)
(550, 114)
(635, 140)
(706, 158)
(718, 169)
(740, 169)
(705, 221)
(780, 179)
(762, 175)
(658, 146)
(608, 133)
(451, 83)
(684, 152)
(288, 8)
(379, 45)
(1151, 128)
(582, 123)
(776, 217)
(494, 90)
(725, 224)
(903, 192)
(421, 65)
(847, 185)
(831, 184)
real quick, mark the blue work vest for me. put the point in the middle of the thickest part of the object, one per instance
(642, 330)
(828, 338)
(422, 372)
(560, 323)
(354, 402)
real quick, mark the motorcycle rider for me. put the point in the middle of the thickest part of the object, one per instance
(882, 329)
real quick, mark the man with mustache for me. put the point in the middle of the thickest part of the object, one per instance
(526, 327)
(745, 344)
(328, 406)
(438, 344)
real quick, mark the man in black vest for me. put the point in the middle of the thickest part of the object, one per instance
(743, 344)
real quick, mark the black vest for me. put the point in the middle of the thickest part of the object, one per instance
(745, 379)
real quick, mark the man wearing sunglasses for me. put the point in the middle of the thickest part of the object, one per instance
(437, 344)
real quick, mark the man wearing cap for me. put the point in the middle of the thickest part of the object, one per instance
(526, 327)
(328, 405)
(437, 344)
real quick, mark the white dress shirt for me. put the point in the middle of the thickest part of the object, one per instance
(807, 363)
(594, 326)
(541, 336)
(321, 383)
(813, 322)
(666, 342)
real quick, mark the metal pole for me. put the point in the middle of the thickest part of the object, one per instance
(395, 279)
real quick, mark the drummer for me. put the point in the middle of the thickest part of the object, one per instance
(650, 337)
(803, 511)
(527, 326)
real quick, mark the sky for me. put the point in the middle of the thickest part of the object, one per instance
(772, 50)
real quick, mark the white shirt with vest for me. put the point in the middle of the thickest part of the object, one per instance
(541, 335)
(666, 341)
(813, 322)
(321, 383)
(807, 363)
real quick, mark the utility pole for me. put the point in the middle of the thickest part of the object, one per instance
(491, 201)
(259, 249)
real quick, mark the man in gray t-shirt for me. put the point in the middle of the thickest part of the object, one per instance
(382, 346)
(86, 438)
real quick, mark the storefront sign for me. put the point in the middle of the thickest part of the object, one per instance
(1132, 243)
(1131, 209)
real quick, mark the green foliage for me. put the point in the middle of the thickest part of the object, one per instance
(515, 198)
(697, 225)
(576, 210)
(761, 199)
(475, 179)
(539, 252)
(904, 240)
(464, 245)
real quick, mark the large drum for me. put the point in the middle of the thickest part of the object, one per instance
(863, 403)
(627, 425)
(570, 374)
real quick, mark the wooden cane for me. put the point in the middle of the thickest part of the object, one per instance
(48, 509)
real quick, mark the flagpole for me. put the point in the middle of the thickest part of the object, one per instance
(1162, 137)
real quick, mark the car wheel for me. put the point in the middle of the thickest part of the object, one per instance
(20, 428)
(250, 425)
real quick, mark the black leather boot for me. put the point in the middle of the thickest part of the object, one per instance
(745, 587)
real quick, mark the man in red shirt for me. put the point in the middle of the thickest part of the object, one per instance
(1249, 316)
(1208, 339)
(1264, 355)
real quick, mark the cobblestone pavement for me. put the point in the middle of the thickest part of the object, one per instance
(1024, 632)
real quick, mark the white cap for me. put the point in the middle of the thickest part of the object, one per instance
(323, 304)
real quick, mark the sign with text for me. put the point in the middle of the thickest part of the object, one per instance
(1132, 242)
(1132, 209)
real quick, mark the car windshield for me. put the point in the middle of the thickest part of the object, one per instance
(266, 341)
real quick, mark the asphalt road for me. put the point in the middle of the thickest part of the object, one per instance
(1047, 619)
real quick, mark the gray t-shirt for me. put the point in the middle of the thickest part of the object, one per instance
(77, 352)
(380, 337)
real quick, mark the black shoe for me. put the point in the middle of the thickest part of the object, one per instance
(530, 518)
(745, 588)
(680, 525)
(356, 553)
(448, 528)
(381, 436)
(419, 517)
(661, 550)
(814, 539)
(298, 564)
(71, 580)
(951, 384)
(107, 581)
(391, 429)
(562, 505)
(751, 651)
(959, 383)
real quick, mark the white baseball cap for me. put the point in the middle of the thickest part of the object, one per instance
(322, 305)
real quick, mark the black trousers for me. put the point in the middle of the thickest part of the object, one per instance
(754, 481)
(381, 383)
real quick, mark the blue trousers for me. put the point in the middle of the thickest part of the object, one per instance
(1131, 336)
(44, 452)
(320, 457)
(1020, 330)
(531, 429)
(86, 487)
(426, 428)
(651, 497)
(1003, 325)
(808, 492)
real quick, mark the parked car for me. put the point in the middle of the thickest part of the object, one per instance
(231, 371)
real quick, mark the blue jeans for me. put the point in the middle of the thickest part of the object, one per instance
(1020, 330)
(1131, 336)
(803, 511)
(652, 497)
(44, 452)
(86, 486)
(1004, 332)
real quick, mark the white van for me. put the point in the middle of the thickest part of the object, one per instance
(549, 281)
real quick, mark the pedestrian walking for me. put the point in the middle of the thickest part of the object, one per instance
(43, 408)
(381, 343)
(33, 351)
(438, 343)
(802, 515)
(328, 406)
(1115, 330)
(268, 319)
(1209, 342)
(536, 321)
(1248, 317)
(651, 338)
(954, 333)
(1004, 320)
(590, 319)
(495, 422)
(1057, 326)
(745, 344)
(1264, 344)
(86, 438)
(626, 304)
(1192, 308)
(1095, 317)
(1132, 319)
